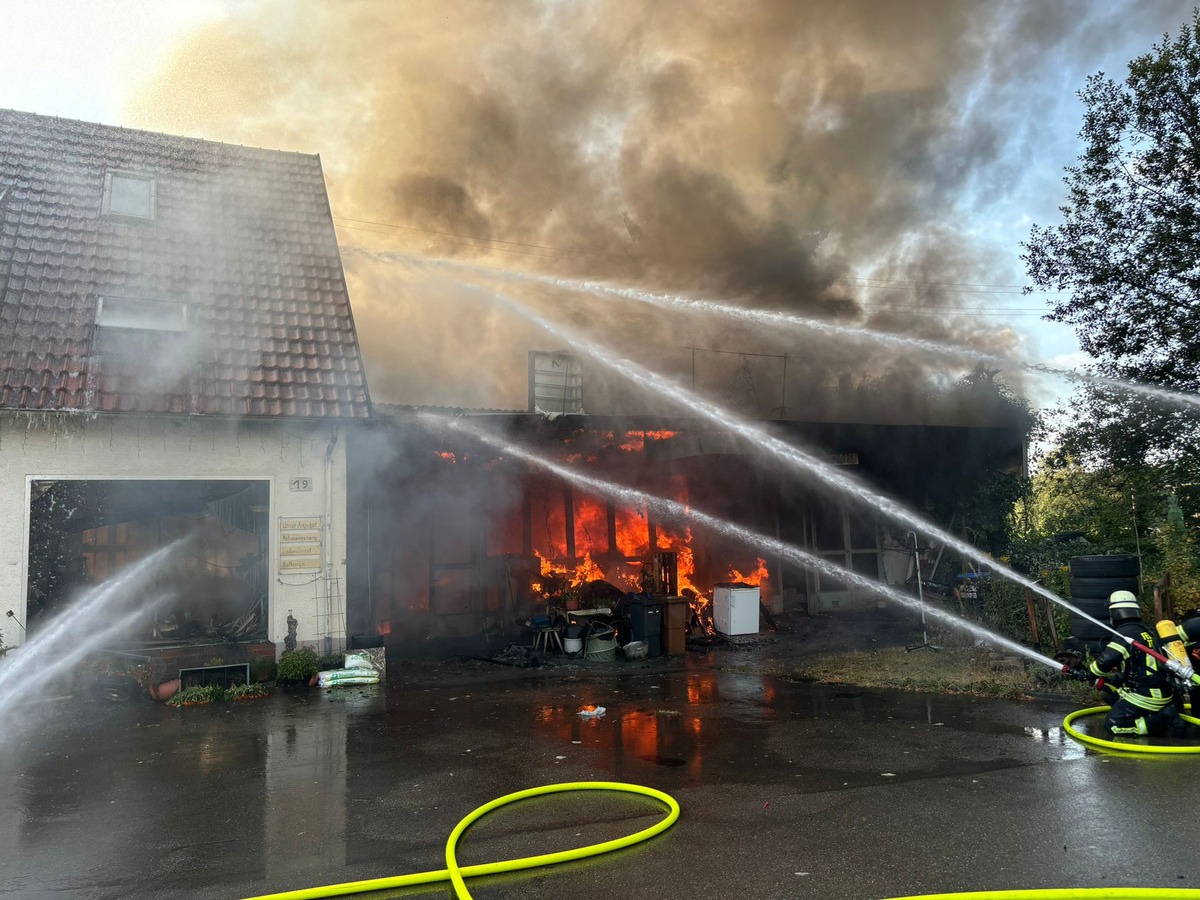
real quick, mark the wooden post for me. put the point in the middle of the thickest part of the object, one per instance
(1033, 626)
(1163, 607)
(1051, 627)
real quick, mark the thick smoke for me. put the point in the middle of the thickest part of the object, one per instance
(823, 156)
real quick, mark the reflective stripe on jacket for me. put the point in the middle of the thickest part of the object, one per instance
(1146, 683)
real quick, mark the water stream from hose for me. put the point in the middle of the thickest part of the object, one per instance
(792, 456)
(777, 319)
(661, 386)
(105, 614)
(675, 511)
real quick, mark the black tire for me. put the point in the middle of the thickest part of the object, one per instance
(117, 688)
(1094, 607)
(1117, 566)
(1088, 632)
(1101, 588)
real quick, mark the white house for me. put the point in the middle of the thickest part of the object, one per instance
(178, 358)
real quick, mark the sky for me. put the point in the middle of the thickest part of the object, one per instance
(876, 163)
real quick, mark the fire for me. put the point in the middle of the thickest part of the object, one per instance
(633, 534)
(757, 577)
(636, 440)
(584, 572)
(684, 558)
(591, 524)
(448, 456)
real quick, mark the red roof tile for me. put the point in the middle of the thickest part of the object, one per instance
(243, 237)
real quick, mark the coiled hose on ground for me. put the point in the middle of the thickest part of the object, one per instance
(1122, 746)
(456, 874)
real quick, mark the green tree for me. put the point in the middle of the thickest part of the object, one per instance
(1113, 509)
(1127, 258)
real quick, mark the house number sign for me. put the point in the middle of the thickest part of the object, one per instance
(300, 544)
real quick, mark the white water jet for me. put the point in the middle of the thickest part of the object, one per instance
(661, 386)
(770, 317)
(674, 510)
(83, 628)
(778, 319)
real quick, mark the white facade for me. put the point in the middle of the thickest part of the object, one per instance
(303, 460)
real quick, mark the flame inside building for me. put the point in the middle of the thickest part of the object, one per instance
(455, 534)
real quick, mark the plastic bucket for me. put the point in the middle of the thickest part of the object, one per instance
(572, 644)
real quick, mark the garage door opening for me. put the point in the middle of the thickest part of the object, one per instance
(82, 533)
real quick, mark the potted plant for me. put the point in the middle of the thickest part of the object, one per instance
(297, 668)
(245, 692)
(198, 695)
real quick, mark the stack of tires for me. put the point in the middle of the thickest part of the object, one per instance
(1093, 579)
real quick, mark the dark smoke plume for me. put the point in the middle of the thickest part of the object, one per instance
(775, 154)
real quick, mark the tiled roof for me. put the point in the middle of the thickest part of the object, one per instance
(241, 237)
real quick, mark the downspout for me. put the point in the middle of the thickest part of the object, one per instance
(328, 542)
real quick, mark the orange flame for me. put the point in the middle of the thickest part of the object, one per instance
(757, 577)
(637, 439)
(586, 571)
(448, 456)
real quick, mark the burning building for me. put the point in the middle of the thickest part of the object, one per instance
(454, 532)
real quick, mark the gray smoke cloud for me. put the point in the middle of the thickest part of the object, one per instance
(830, 157)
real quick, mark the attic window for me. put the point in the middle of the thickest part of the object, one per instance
(143, 315)
(129, 194)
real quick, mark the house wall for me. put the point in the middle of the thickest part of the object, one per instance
(39, 446)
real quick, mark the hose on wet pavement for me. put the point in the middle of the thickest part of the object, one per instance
(1105, 893)
(456, 874)
(1121, 746)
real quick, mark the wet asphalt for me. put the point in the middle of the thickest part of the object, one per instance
(788, 790)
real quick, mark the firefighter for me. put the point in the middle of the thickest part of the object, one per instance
(1189, 634)
(1145, 702)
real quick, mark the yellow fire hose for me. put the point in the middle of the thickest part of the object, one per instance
(456, 874)
(1121, 746)
(1105, 893)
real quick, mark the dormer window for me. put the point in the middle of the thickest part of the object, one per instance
(129, 194)
(141, 315)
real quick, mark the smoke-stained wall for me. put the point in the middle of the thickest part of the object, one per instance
(828, 157)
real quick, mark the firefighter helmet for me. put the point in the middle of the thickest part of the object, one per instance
(1123, 606)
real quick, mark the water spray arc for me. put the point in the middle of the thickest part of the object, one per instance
(665, 387)
(662, 386)
(777, 319)
(674, 510)
(81, 630)
(788, 320)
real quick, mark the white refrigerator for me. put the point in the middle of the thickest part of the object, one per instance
(735, 608)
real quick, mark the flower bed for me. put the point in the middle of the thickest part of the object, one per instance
(210, 693)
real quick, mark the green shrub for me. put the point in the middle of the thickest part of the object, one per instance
(297, 665)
